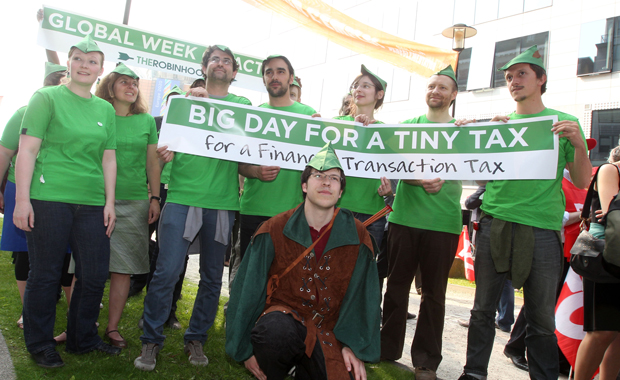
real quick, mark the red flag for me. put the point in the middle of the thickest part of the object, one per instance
(463, 252)
(569, 316)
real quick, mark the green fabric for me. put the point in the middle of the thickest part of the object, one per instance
(360, 194)
(536, 203)
(51, 68)
(124, 70)
(295, 83)
(133, 135)
(178, 90)
(225, 49)
(75, 132)
(325, 159)
(365, 71)
(414, 207)
(10, 138)
(531, 55)
(359, 311)
(512, 249)
(205, 182)
(448, 71)
(283, 193)
(165, 173)
(88, 45)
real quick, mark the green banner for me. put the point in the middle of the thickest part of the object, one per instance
(526, 149)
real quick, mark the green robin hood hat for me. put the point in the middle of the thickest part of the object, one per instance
(448, 71)
(124, 70)
(51, 68)
(295, 83)
(531, 56)
(325, 159)
(225, 49)
(177, 89)
(88, 45)
(365, 71)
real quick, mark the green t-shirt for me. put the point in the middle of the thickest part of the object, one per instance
(205, 182)
(165, 173)
(10, 137)
(281, 194)
(133, 134)
(74, 132)
(537, 203)
(360, 194)
(414, 207)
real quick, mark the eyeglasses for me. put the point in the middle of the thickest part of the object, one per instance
(331, 177)
(217, 60)
(365, 86)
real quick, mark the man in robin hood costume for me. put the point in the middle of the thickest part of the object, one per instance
(307, 292)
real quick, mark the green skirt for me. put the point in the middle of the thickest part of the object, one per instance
(129, 244)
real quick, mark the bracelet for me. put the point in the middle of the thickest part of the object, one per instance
(156, 198)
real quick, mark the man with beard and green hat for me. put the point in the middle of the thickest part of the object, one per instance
(307, 292)
(201, 202)
(519, 232)
(423, 232)
(268, 190)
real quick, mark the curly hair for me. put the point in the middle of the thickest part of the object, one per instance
(105, 90)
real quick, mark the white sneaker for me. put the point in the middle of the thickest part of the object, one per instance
(148, 358)
(196, 355)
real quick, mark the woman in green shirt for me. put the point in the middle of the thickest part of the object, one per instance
(364, 196)
(136, 160)
(65, 176)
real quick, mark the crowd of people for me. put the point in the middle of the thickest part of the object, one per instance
(84, 194)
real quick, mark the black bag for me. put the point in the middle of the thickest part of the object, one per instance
(587, 254)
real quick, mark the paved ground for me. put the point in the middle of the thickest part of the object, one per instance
(459, 302)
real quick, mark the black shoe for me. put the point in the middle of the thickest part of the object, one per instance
(410, 316)
(107, 349)
(48, 358)
(173, 322)
(465, 376)
(133, 292)
(518, 360)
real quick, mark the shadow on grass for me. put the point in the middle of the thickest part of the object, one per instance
(172, 363)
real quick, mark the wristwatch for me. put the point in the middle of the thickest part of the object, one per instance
(154, 197)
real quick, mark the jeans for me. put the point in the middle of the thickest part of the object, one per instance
(539, 299)
(278, 342)
(170, 263)
(376, 229)
(506, 307)
(57, 224)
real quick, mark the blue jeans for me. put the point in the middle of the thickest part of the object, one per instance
(376, 229)
(539, 293)
(506, 307)
(56, 225)
(170, 262)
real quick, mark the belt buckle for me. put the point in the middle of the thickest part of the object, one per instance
(316, 314)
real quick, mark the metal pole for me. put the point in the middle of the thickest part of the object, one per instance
(127, 8)
(456, 75)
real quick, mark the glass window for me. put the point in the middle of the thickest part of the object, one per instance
(486, 10)
(509, 8)
(463, 69)
(616, 50)
(508, 49)
(531, 5)
(606, 131)
(595, 47)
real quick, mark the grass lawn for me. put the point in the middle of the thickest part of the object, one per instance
(172, 363)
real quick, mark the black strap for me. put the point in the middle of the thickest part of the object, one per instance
(587, 204)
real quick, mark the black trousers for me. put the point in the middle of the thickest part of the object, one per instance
(433, 252)
(278, 342)
(249, 224)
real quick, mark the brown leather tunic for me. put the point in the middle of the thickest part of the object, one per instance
(312, 292)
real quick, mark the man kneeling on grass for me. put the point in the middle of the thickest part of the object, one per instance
(306, 298)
